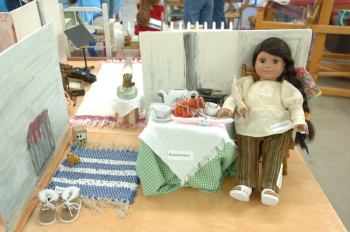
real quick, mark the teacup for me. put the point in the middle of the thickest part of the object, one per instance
(162, 111)
(211, 109)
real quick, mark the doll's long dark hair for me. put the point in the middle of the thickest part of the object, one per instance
(143, 15)
(278, 47)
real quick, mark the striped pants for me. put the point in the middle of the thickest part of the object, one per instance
(272, 149)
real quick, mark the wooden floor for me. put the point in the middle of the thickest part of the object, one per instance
(303, 205)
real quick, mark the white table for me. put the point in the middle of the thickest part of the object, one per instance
(184, 148)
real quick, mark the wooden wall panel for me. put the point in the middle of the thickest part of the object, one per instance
(26, 20)
(50, 12)
(34, 119)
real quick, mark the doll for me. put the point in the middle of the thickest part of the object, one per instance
(266, 112)
(149, 16)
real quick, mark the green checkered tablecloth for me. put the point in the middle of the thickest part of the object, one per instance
(157, 178)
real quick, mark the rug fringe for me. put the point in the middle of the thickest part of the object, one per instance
(97, 205)
(118, 61)
(113, 145)
(97, 121)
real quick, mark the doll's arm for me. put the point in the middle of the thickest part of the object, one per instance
(238, 90)
(303, 128)
(293, 101)
(228, 107)
(238, 96)
(223, 112)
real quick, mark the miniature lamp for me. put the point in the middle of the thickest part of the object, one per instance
(128, 89)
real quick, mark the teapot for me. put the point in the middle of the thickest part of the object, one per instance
(176, 95)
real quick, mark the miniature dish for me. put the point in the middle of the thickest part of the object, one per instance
(162, 119)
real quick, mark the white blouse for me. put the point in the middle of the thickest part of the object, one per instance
(270, 105)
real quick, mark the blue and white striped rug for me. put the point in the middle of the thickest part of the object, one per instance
(107, 174)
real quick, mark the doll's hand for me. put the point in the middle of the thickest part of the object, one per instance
(223, 113)
(241, 112)
(302, 127)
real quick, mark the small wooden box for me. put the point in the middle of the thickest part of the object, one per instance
(76, 86)
(79, 133)
(130, 118)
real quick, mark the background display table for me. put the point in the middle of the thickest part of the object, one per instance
(213, 157)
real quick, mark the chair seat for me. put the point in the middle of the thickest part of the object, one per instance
(232, 15)
(177, 13)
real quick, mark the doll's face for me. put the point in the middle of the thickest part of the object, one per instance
(269, 67)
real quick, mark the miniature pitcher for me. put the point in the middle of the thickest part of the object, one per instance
(176, 95)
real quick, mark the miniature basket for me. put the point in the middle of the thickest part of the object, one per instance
(127, 39)
(69, 101)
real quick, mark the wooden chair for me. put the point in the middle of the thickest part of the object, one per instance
(103, 31)
(247, 72)
(175, 12)
(231, 14)
(265, 15)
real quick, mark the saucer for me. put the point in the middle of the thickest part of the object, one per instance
(163, 119)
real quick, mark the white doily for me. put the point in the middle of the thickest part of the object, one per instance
(266, 91)
(123, 107)
(203, 141)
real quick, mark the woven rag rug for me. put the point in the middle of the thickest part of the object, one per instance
(95, 110)
(106, 178)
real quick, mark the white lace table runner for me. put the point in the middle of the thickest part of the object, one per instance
(123, 107)
(204, 141)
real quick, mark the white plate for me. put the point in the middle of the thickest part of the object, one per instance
(163, 119)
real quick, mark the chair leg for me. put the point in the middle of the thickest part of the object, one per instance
(285, 164)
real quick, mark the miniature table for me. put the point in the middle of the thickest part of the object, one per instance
(175, 155)
(127, 110)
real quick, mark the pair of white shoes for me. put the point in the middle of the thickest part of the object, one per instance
(70, 207)
(268, 196)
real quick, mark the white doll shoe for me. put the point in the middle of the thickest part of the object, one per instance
(242, 194)
(269, 198)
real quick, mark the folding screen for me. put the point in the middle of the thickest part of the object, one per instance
(210, 59)
(18, 24)
(50, 12)
(7, 31)
(26, 20)
(34, 119)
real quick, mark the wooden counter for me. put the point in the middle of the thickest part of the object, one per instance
(303, 205)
